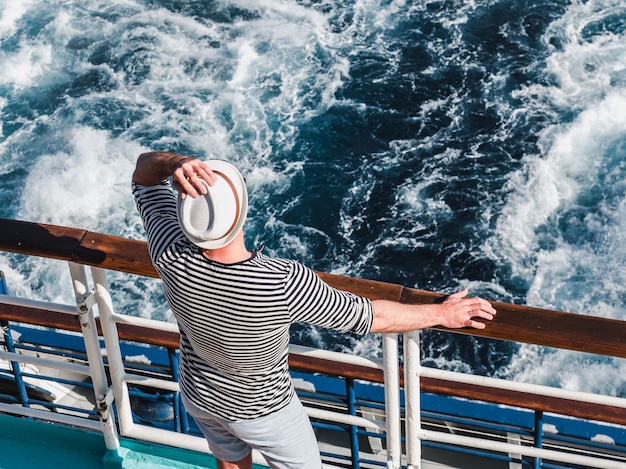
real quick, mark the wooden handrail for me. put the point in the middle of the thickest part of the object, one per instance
(129, 332)
(513, 322)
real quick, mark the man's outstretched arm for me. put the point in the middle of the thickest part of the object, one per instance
(455, 312)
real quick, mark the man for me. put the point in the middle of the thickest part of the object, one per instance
(234, 308)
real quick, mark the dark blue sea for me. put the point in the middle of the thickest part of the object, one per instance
(438, 144)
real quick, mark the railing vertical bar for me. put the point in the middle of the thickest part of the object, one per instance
(412, 399)
(15, 366)
(89, 329)
(391, 370)
(8, 341)
(114, 353)
(180, 414)
(538, 436)
(354, 437)
(94, 355)
(4, 290)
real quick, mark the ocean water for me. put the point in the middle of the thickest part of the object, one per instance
(435, 144)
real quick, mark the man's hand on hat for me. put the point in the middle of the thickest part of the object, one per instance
(188, 177)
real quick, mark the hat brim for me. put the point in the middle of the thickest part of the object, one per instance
(226, 169)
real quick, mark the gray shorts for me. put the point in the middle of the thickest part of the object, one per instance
(284, 438)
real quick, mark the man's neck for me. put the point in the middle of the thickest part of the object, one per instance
(230, 254)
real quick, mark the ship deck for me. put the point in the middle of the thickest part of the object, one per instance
(29, 443)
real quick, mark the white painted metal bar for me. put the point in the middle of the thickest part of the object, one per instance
(114, 354)
(330, 416)
(524, 387)
(166, 437)
(321, 414)
(144, 322)
(508, 448)
(392, 400)
(48, 416)
(45, 362)
(412, 399)
(89, 328)
(179, 440)
(336, 356)
(157, 383)
(85, 301)
(43, 305)
(347, 419)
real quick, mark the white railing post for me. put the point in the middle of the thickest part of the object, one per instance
(84, 307)
(412, 399)
(392, 400)
(114, 352)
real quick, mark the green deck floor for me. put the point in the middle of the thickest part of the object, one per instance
(26, 444)
(31, 444)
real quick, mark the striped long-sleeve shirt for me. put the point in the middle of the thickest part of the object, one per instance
(234, 318)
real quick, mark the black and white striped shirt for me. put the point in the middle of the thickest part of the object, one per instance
(234, 318)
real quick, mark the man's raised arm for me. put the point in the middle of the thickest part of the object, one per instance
(154, 167)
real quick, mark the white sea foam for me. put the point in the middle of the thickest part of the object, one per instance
(10, 13)
(225, 90)
(90, 183)
(106, 86)
(562, 229)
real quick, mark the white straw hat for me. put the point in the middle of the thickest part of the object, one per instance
(213, 220)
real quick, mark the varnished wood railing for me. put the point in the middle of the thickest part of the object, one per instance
(512, 323)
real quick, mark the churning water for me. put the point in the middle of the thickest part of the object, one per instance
(436, 144)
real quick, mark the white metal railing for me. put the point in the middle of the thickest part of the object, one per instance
(536, 389)
(392, 400)
(86, 298)
(412, 399)
(415, 434)
(50, 363)
(103, 393)
(98, 296)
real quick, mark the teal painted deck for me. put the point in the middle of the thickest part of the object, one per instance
(27, 443)
(31, 444)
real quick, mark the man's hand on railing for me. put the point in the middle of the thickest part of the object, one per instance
(455, 311)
